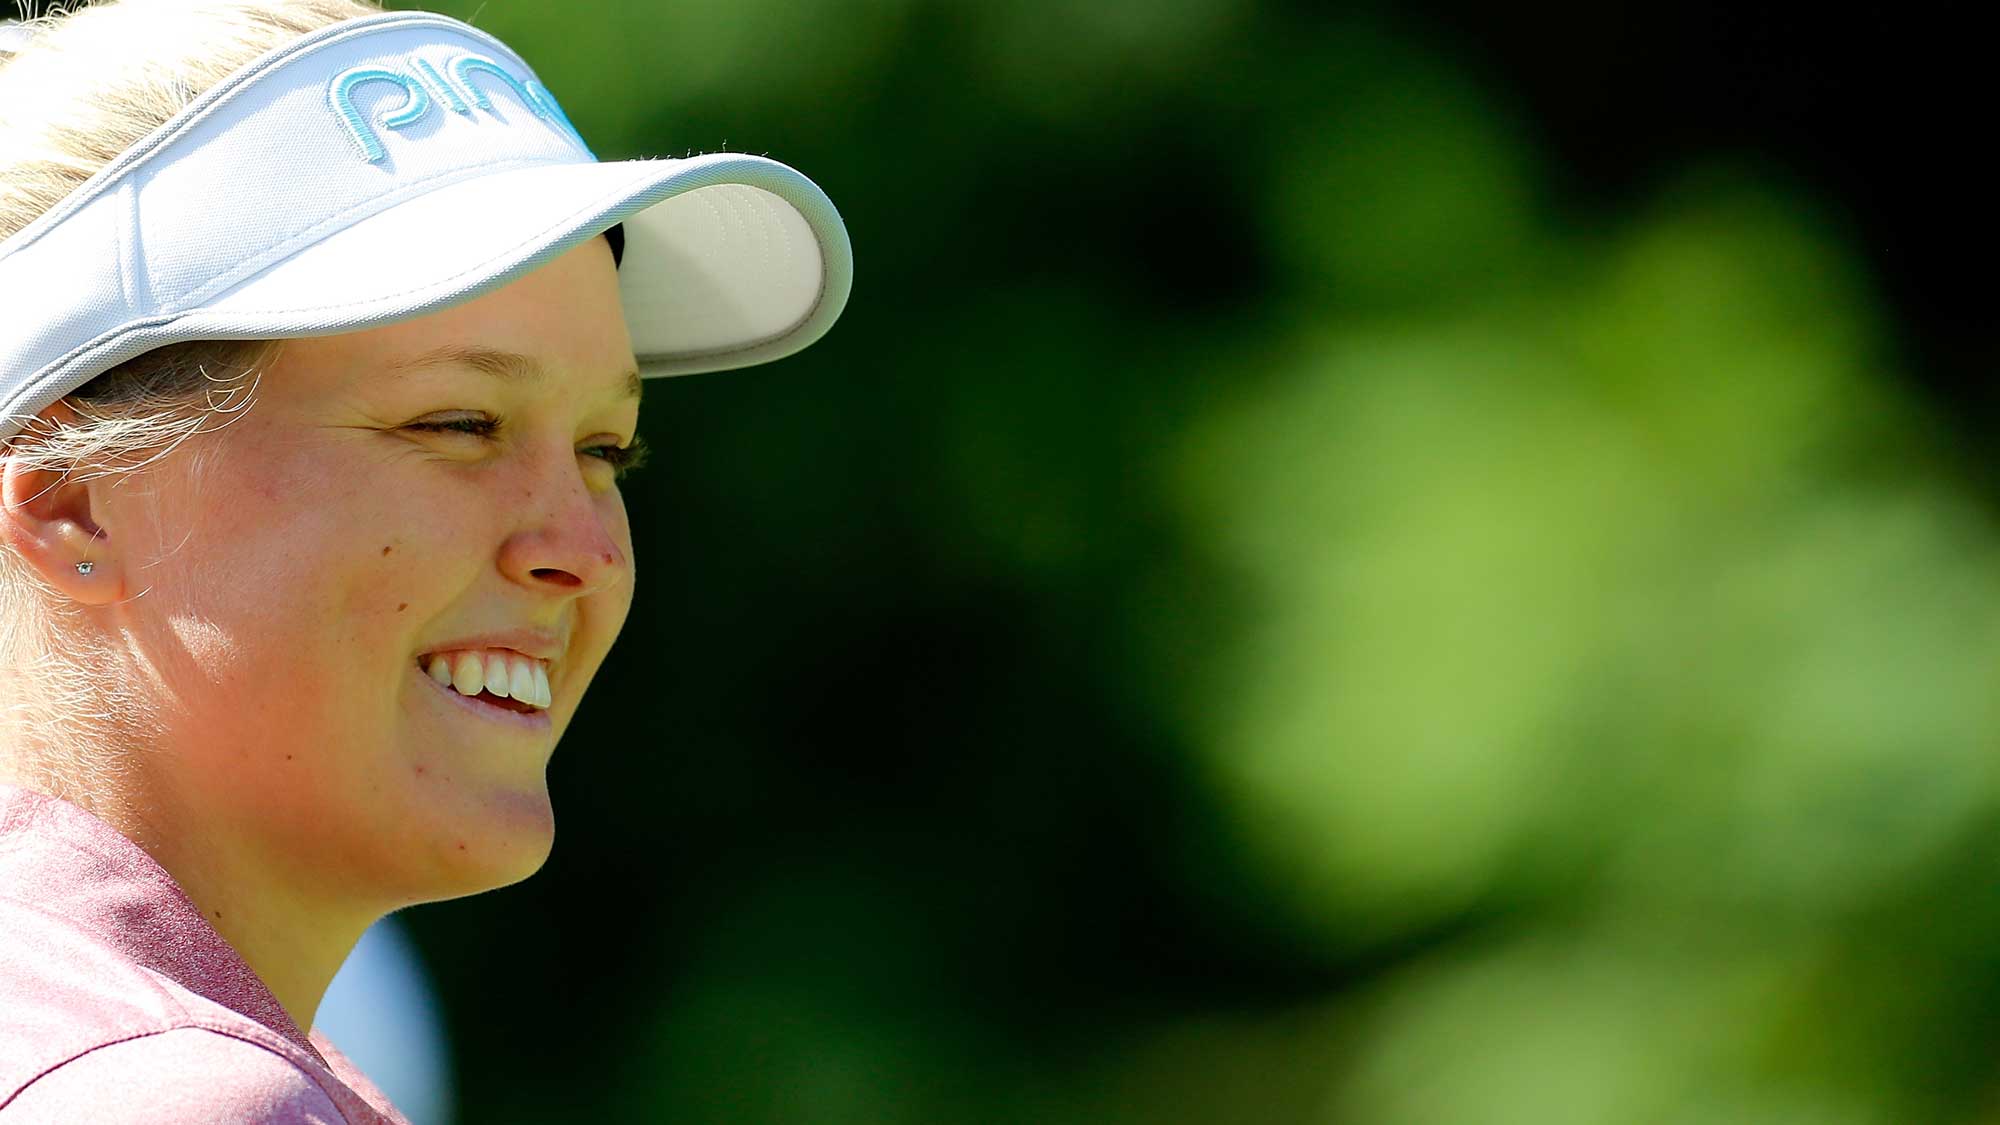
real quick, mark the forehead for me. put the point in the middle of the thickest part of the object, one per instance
(560, 327)
(503, 366)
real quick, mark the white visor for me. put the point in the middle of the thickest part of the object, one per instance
(387, 167)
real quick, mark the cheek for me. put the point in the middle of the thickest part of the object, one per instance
(333, 577)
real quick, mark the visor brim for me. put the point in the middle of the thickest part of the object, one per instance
(730, 260)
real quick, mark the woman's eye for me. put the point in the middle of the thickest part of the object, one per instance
(478, 427)
(622, 458)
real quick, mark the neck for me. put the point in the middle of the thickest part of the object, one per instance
(294, 943)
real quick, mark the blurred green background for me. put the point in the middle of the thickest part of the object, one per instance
(1373, 565)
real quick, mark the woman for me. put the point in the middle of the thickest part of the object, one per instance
(319, 366)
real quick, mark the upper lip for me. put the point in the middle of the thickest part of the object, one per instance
(542, 644)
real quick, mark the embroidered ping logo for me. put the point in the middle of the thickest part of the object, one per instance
(418, 87)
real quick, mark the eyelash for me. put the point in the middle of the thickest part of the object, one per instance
(623, 459)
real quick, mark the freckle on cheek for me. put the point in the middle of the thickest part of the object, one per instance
(386, 550)
(402, 607)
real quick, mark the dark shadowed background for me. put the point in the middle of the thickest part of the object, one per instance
(1423, 563)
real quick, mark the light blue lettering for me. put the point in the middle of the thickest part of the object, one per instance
(465, 66)
(444, 87)
(342, 93)
(535, 97)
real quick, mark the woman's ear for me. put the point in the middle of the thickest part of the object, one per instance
(50, 522)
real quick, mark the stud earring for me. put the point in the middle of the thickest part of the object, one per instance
(86, 566)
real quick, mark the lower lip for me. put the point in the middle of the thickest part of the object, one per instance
(528, 722)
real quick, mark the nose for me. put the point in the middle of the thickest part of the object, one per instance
(566, 540)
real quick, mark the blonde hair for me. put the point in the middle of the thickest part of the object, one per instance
(86, 83)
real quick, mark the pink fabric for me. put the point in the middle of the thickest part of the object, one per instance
(120, 1003)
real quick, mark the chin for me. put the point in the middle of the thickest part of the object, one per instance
(508, 841)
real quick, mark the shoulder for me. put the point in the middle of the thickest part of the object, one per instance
(66, 993)
(182, 1074)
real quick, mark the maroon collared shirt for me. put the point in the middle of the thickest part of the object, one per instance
(120, 1003)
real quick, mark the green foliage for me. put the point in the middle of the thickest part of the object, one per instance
(1256, 614)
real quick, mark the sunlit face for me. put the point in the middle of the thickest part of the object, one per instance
(304, 558)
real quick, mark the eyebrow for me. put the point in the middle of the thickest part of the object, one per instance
(510, 367)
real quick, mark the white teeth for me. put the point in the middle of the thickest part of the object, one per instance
(521, 682)
(508, 675)
(468, 673)
(496, 674)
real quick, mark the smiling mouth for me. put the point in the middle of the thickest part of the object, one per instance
(491, 677)
(486, 700)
